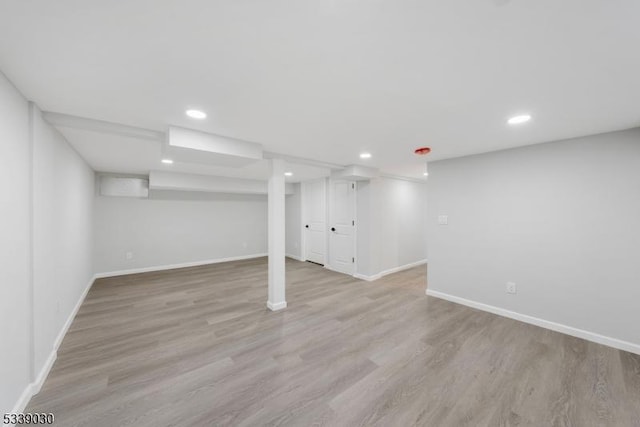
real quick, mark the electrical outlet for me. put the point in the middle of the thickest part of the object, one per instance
(511, 288)
(129, 255)
(443, 219)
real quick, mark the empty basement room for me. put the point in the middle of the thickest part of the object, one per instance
(356, 213)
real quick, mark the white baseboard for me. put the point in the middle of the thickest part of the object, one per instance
(75, 310)
(296, 257)
(44, 371)
(34, 388)
(23, 400)
(367, 278)
(174, 266)
(276, 306)
(558, 327)
(328, 267)
(389, 271)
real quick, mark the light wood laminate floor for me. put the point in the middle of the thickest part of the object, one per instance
(197, 347)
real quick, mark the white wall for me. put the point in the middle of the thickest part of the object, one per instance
(47, 196)
(366, 253)
(401, 222)
(15, 287)
(293, 223)
(391, 225)
(63, 189)
(561, 220)
(175, 181)
(177, 227)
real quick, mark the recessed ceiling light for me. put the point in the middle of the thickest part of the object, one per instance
(516, 120)
(196, 114)
(426, 174)
(167, 161)
(365, 155)
(288, 174)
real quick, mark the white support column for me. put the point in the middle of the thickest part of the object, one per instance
(276, 236)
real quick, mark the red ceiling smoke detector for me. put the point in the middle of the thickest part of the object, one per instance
(422, 151)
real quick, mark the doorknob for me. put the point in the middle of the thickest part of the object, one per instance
(333, 229)
(306, 226)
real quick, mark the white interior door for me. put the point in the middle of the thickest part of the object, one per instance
(314, 221)
(341, 226)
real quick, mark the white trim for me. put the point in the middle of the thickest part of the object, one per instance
(37, 384)
(389, 271)
(72, 316)
(34, 388)
(276, 306)
(296, 257)
(558, 327)
(303, 218)
(327, 218)
(355, 223)
(174, 266)
(403, 267)
(23, 400)
(367, 278)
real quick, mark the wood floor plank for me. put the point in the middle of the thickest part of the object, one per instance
(197, 347)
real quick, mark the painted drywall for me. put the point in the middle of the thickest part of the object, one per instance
(46, 244)
(561, 220)
(159, 180)
(177, 227)
(293, 223)
(63, 193)
(391, 225)
(401, 222)
(366, 254)
(15, 283)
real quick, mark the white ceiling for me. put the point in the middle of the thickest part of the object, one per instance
(107, 152)
(328, 79)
